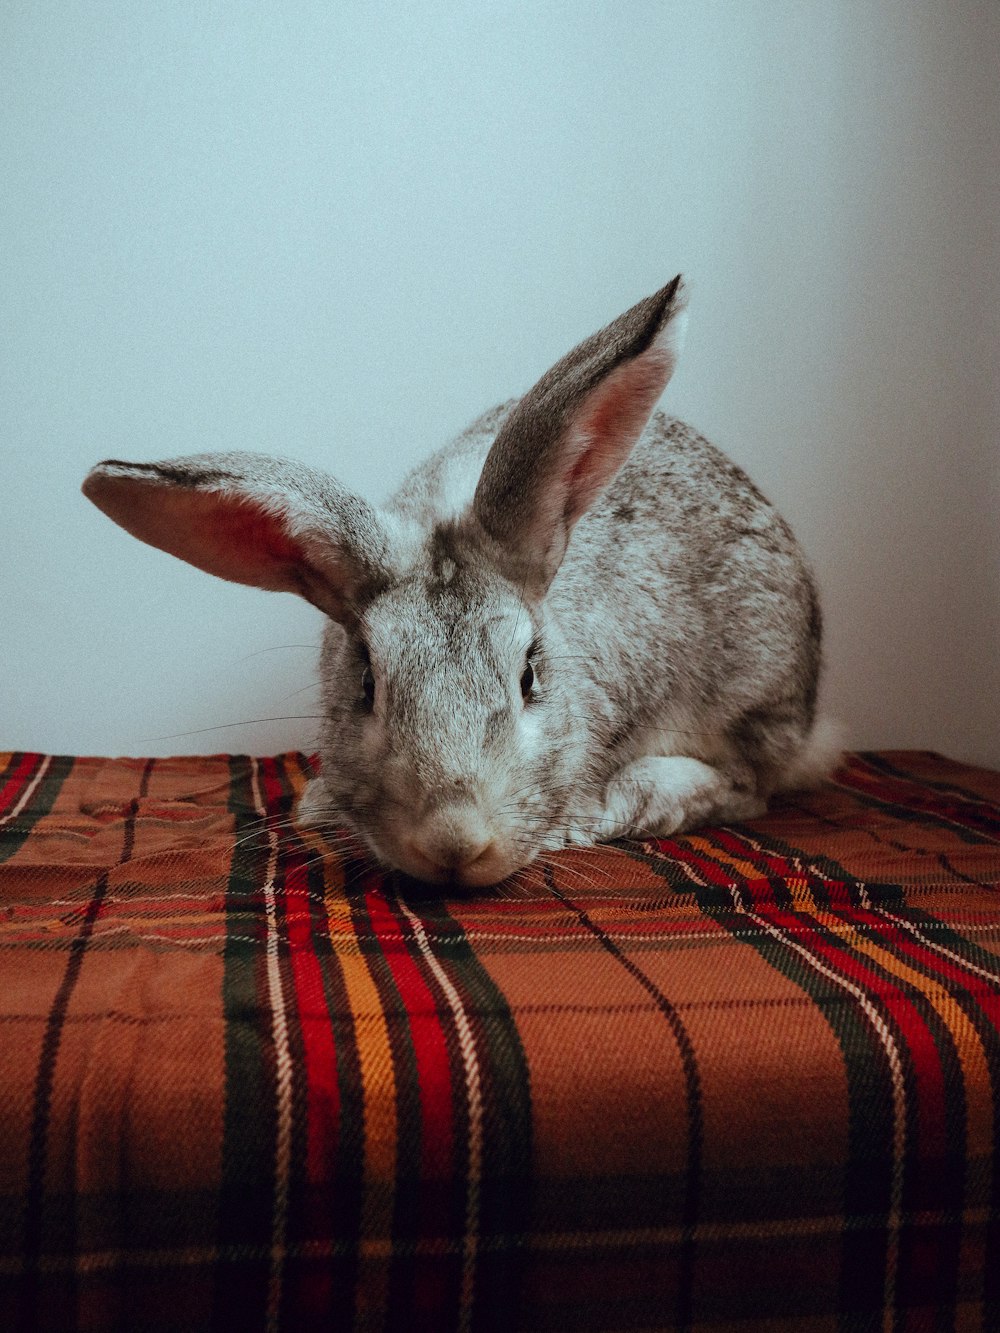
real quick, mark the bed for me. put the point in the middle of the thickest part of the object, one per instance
(747, 1078)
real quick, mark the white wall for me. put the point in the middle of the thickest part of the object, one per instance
(339, 230)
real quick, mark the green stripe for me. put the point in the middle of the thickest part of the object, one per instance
(14, 833)
(341, 1193)
(874, 759)
(506, 1128)
(404, 1226)
(951, 1176)
(868, 1171)
(249, 1124)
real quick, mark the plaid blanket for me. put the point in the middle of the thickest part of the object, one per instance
(247, 1082)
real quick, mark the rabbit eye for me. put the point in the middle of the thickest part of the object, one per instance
(528, 674)
(368, 686)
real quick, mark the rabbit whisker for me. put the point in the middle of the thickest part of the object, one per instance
(313, 685)
(276, 648)
(247, 722)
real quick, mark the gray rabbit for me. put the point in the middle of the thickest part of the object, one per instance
(578, 621)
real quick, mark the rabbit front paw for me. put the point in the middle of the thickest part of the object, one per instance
(600, 822)
(659, 796)
(585, 833)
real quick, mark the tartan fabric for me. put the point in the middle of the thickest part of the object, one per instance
(745, 1078)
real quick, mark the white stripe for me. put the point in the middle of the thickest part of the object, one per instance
(10, 937)
(894, 1219)
(283, 1060)
(898, 1096)
(921, 935)
(470, 1243)
(94, 1261)
(964, 963)
(29, 791)
(936, 814)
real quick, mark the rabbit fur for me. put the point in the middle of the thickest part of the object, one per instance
(578, 621)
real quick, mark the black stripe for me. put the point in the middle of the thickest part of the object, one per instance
(945, 1178)
(34, 1218)
(505, 1179)
(876, 760)
(175, 474)
(404, 1225)
(239, 1296)
(692, 1081)
(274, 772)
(877, 887)
(927, 817)
(867, 1172)
(504, 1185)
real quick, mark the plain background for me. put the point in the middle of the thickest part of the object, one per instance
(338, 231)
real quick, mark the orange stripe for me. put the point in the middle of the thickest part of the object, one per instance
(378, 1080)
(802, 898)
(968, 1043)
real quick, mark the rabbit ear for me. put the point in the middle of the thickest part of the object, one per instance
(253, 519)
(568, 436)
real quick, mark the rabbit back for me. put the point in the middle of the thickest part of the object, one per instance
(686, 610)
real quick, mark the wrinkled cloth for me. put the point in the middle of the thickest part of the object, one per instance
(248, 1080)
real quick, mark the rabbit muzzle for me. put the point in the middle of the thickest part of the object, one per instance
(453, 843)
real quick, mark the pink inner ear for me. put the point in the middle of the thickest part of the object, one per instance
(608, 423)
(241, 541)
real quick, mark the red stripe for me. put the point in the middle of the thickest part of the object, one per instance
(322, 1091)
(760, 857)
(938, 1177)
(911, 795)
(311, 1010)
(705, 867)
(433, 1286)
(917, 1037)
(20, 778)
(435, 1078)
(323, 1097)
(310, 1021)
(941, 968)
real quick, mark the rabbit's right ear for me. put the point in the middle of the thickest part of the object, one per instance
(568, 436)
(253, 519)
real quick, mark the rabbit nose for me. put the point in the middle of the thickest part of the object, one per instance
(445, 856)
(450, 841)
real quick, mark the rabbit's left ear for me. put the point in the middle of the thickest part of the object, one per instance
(568, 436)
(253, 519)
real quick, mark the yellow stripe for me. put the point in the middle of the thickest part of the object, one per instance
(378, 1080)
(802, 899)
(968, 1044)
